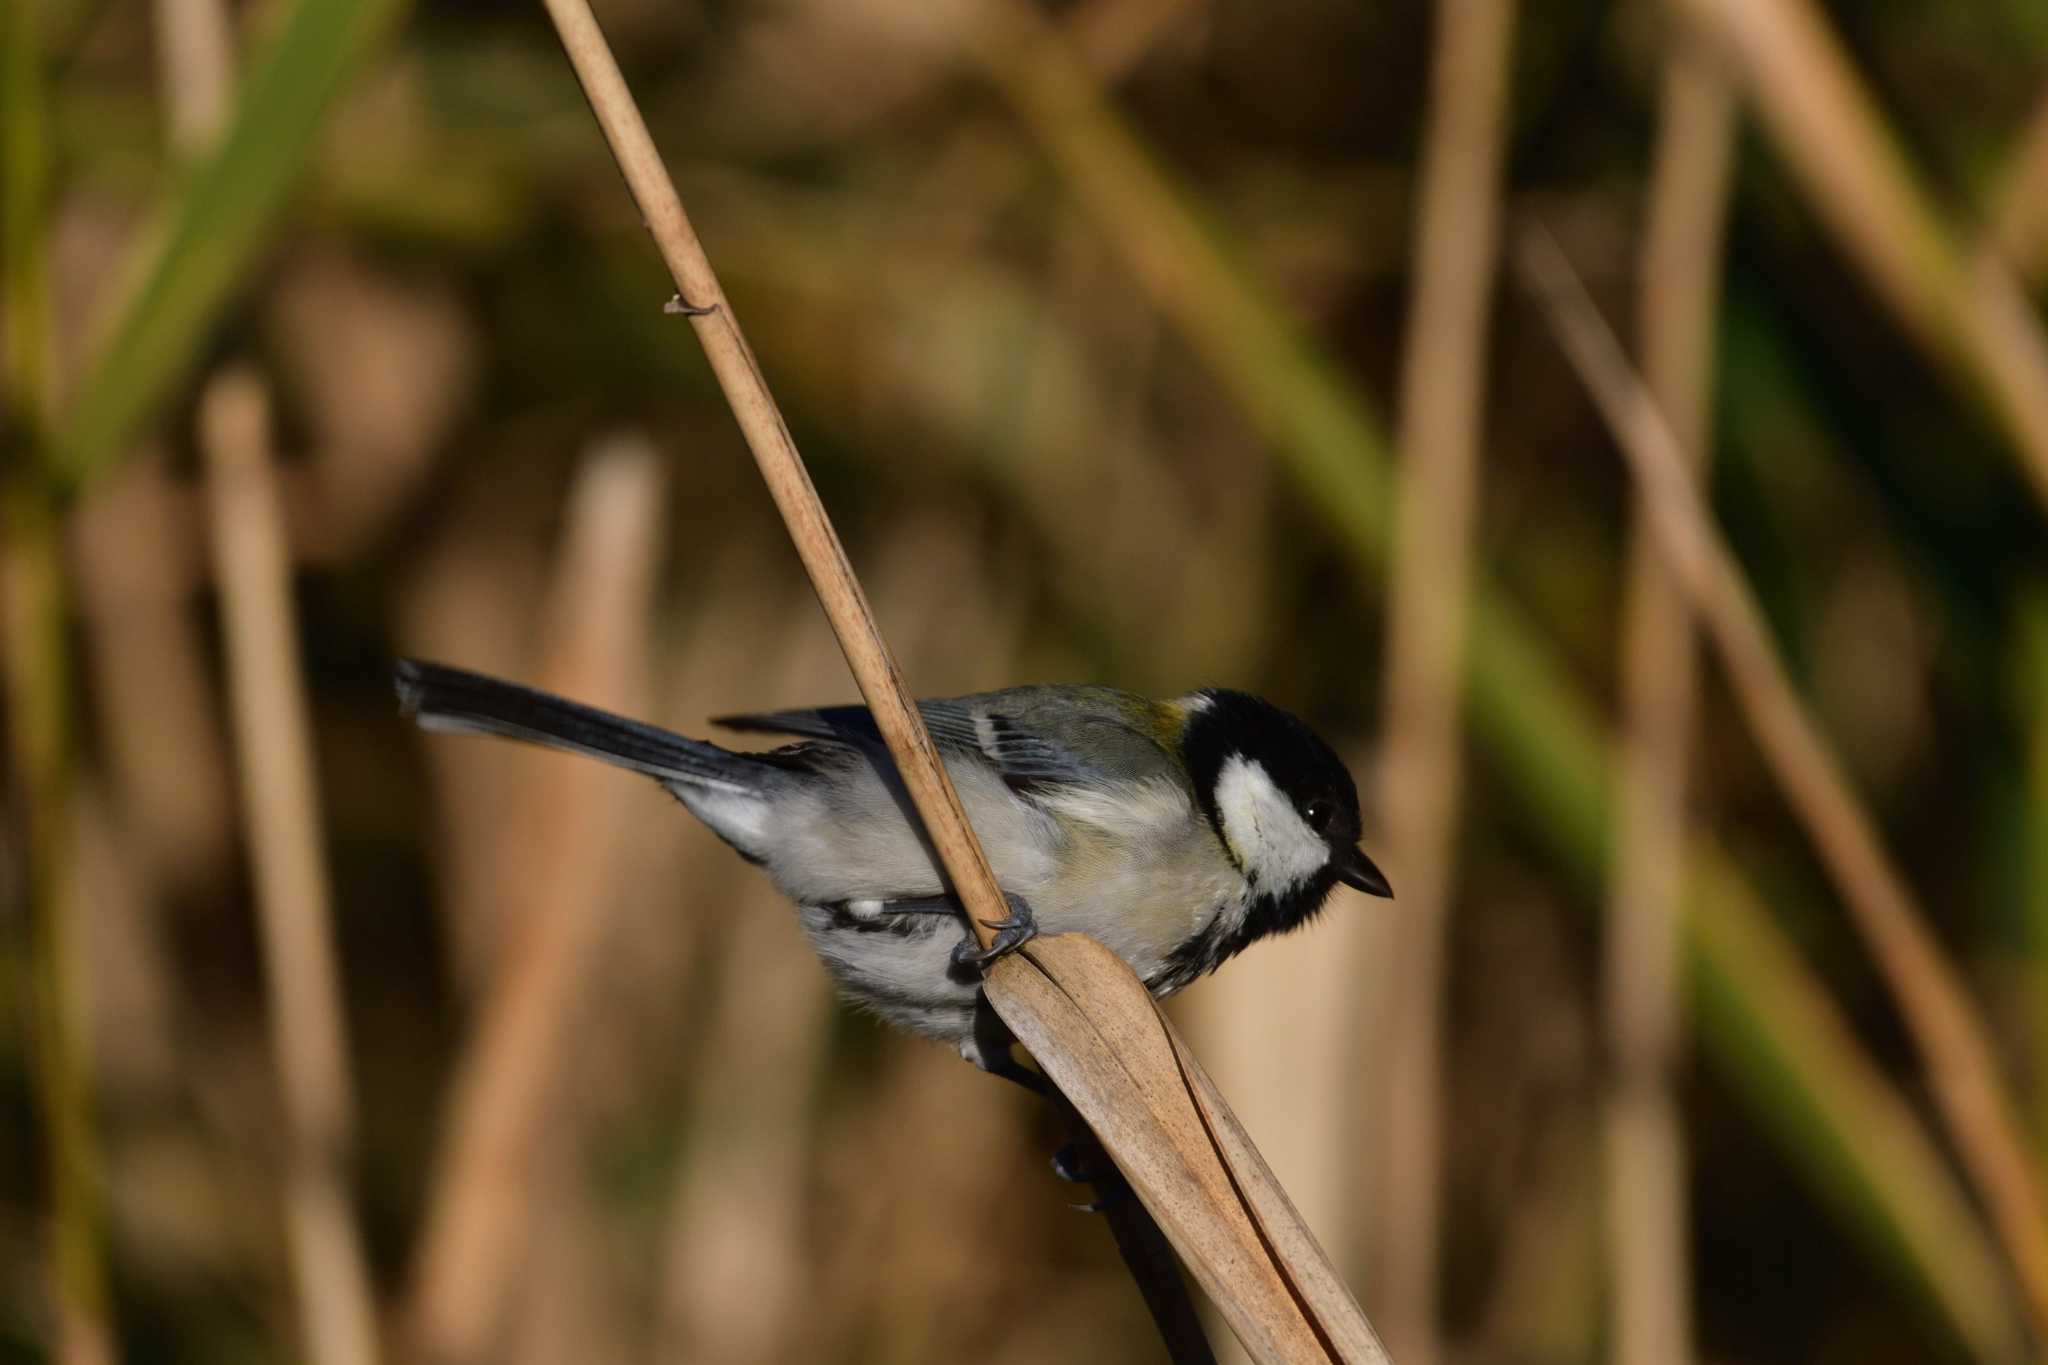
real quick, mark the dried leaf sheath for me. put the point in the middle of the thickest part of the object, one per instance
(1096, 1032)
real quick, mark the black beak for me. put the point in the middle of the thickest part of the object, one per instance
(1354, 869)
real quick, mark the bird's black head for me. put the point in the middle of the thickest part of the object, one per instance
(1283, 804)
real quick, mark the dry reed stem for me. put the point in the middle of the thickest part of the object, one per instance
(782, 468)
(1650, 1310)
(733, 1287)
(195, 57)
(1973, 316)
(1950, 1035)
(475, 1232)
(1442, 406)
(1119, 1061)
(153, 690)
(337, 1315)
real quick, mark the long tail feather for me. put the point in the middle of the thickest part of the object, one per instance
(454, 700)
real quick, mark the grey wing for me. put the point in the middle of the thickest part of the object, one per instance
(1032, 736)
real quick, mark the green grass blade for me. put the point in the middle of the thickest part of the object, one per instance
(1763, 1017)
(212, 228)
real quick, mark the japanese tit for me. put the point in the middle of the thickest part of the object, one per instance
(1174, 832)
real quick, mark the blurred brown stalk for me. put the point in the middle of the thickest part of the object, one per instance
(1946, 1026)
(1650, 1264)
(1442, 412)
(337, 1315)
(195, 57)
(553, 894)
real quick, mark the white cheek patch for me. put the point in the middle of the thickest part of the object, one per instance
(1269, 837)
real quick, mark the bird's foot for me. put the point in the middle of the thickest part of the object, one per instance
(1112, 1196)
(1012, 933)
(1068, 1166)
(1111, 1187)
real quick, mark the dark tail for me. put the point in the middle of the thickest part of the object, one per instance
(451, 699)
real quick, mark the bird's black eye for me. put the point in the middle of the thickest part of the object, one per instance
(1320, 813)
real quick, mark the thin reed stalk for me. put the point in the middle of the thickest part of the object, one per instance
(553, 896)
(1442, 407)
(1650, 1310)
(1945, 1024)
(1972, 316)
(274, 744)
(853, 621)
(737, 1244)
(195, 44)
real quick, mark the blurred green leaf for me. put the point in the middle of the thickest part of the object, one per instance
(1763, 1016)
(212, 228)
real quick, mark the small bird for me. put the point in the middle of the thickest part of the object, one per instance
(1175, 832)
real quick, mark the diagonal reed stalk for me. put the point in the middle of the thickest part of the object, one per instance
(1442, 411)
(1971, 315)
(1650, 1309)
(1947, 1029)
(1089, 1022)
(702, 300)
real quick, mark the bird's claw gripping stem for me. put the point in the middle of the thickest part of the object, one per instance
(1012, 933)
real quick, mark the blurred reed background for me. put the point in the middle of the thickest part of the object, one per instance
(1155, 342)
